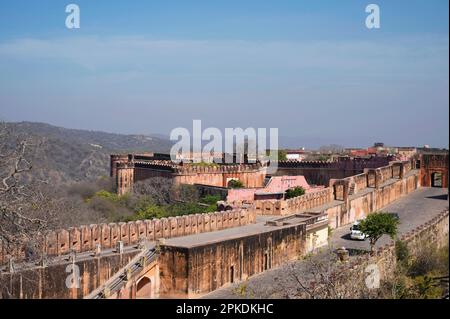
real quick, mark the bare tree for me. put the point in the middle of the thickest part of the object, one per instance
(25, 211)
(323, 276)
(163, 191)
(159, 189)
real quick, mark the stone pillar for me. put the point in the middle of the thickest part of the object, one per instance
(119, 247)
(98, 249)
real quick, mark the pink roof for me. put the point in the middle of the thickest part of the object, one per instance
(276, 184)
(282, 183)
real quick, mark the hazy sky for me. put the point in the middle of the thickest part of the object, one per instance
(310, 68)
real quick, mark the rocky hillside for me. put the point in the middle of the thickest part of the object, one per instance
(67, 155)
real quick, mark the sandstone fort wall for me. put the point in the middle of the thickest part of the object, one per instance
(191, 272)
(88, 238)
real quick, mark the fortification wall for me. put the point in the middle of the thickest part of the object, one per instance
(142, 173)
(124, 178)
(294, 205)
(351, 198)
(317, 176)
(251, 175)
(431, 164)
(50, 282)
(435, 233)
(128, 169)
(194, 271)
(360, 205)
(321, 172)
(88, 238)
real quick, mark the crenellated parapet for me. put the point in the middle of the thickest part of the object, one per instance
(342, 163)
(294, 205)
(188, 169)
(341, 190)
(129, 169)
(89, 238)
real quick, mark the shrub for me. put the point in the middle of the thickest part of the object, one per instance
(402, 252)
(424, 287)
(235, 184)
(111, 210)
(428, 259)
(210, 199)
(295, 192)
(83, 189)
(281, 155)
(108, 195)
(186, 193)
(151, 211)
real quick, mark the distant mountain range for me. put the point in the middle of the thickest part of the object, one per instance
(68, 155)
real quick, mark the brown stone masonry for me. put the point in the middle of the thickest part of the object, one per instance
(127, 169)
(432, 165)
(350, 193)
(86, 238)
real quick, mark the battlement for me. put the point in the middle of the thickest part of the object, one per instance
(218, 169)
(294, 205)
(434, 160)
(184, 168)
(342, 163)
(90, 237)
(338, 190)
(128, 169)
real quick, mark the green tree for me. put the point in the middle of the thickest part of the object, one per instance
(234, 183)
(324, 158)
(295, 192)
(281, 154)
(378, 224)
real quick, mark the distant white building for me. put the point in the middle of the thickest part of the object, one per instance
(296, 155)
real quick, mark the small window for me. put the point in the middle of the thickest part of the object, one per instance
(232, 274)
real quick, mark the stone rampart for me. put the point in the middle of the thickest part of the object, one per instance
(90, 237)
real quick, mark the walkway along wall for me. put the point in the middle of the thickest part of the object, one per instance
(321, 172)
(351, 198)
(96, 254)
(192, 270)
(106, 236)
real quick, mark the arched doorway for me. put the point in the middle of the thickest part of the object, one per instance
(144, 288)
(436, 179)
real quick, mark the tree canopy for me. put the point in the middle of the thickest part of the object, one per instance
(295, 192)
(378, 224)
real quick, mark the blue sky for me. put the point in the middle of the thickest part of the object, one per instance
(310, 68)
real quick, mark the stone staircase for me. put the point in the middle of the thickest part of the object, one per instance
(137, 264)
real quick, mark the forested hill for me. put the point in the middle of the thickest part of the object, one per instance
(66, 155)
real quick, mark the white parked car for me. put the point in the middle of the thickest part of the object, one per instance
(355, 233)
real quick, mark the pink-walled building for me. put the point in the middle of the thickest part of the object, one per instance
(275, 188)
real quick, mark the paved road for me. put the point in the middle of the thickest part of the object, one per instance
(414, 209)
